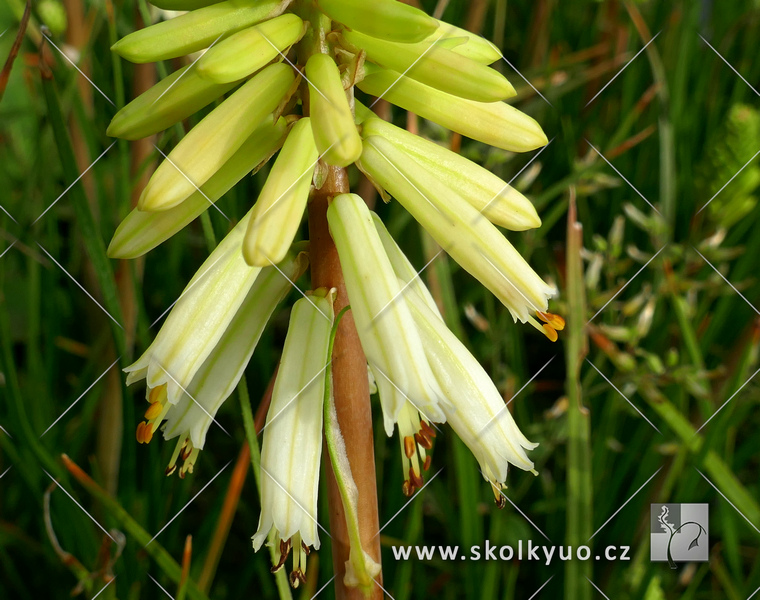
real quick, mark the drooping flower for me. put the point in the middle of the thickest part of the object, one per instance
(409, 393)
(207, 340)
(475, 408)
(292, 446)
(463, 232)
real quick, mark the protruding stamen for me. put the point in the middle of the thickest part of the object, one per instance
(284, 551)
(428, 460)
(554, 321)
(499, 498)
(427, 429)
(550, 332)
(408, 489)
(423, 440)
(144, 433)
(409, 448)
(157, 394)
(153, 411)
(417, 480)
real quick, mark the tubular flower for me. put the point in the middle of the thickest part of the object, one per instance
(282, 76)
(386, 330)
(476, 410)
(462, 231)
(201, 351)
(292, 447)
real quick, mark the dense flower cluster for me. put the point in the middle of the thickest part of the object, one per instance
(284, 76)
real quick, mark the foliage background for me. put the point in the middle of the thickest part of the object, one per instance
(678, 123)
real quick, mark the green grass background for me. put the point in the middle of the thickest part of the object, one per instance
(678, 123)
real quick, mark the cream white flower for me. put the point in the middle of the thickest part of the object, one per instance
(494, 198)
(476, 410)
(292, 446)
(385, 326)
(463, 232)
(409, 393)
(200, 352)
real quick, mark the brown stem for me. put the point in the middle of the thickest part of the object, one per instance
(351, 391)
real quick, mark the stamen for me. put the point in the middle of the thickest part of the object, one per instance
(409, 448)
(153, 411)
(408, 489)
(550, 332)
(416, 480)
(427, 429)
(157, 394)
(428, 460)
(423, 440)
(554, 321)
(499, 498)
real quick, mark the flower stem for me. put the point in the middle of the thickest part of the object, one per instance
(351, 396)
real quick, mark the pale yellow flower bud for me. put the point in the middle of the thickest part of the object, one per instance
(279, 209)
(142, 231)
(174, 98)
(249, 50)
(493, 123)
(195, 30)
(385, 19)
(207, 146)
(466, 43)
(433, 64)
(331, 118)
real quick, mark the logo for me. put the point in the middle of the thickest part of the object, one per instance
(679, 533)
